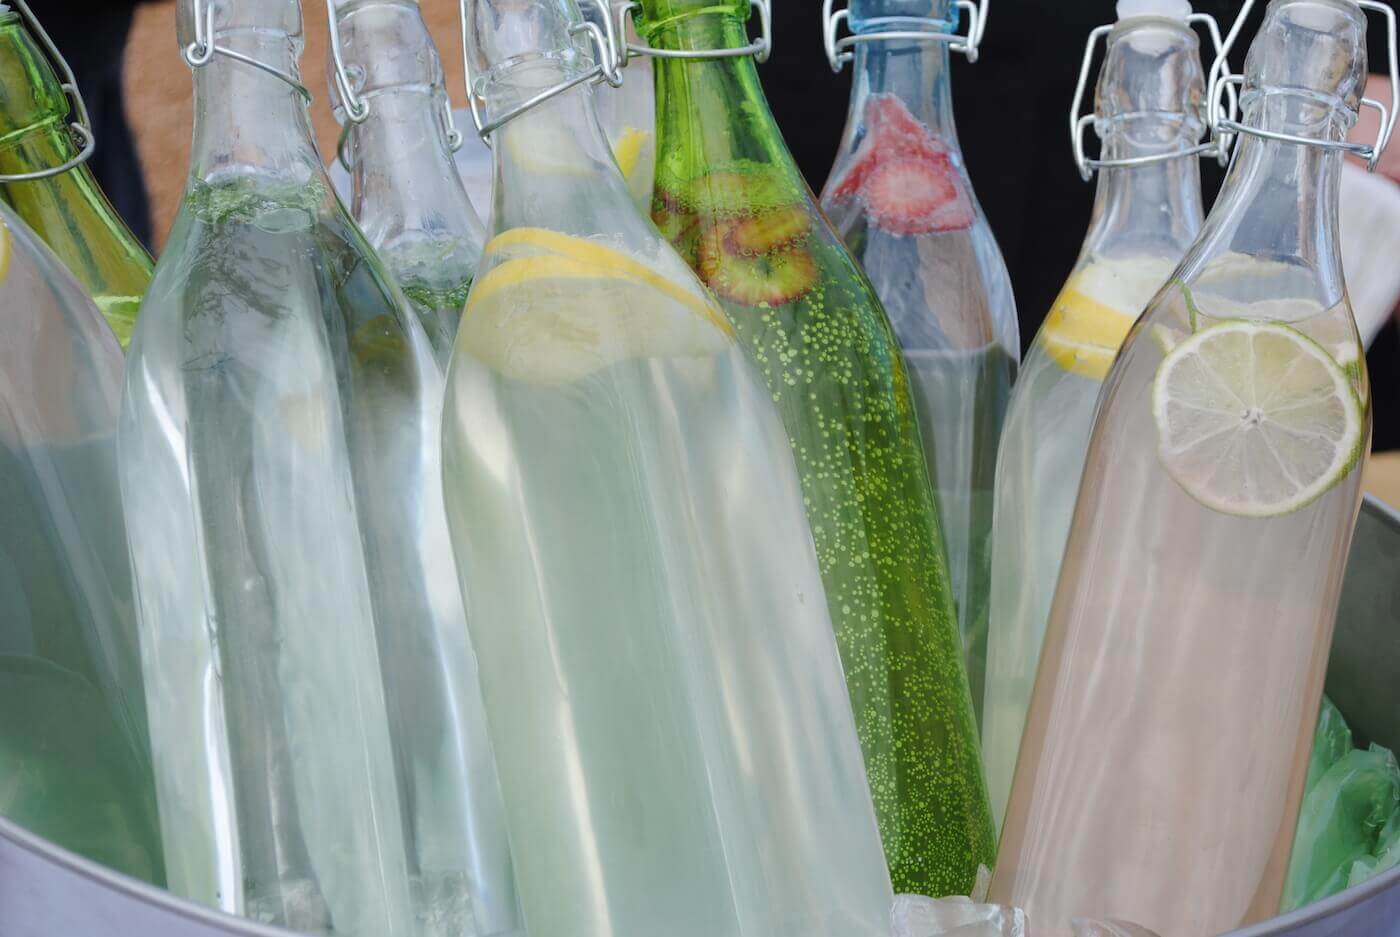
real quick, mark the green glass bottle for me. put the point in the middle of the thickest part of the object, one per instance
(67, 209)
(729, 196)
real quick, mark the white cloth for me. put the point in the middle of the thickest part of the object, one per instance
(1370, 210)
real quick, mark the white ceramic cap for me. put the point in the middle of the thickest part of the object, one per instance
(1172, 9)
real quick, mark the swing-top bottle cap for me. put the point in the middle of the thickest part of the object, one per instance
(1167, 9)
(1152, 66)
(521, 53)
(258, 20)
(1147, 101)
(1313, 52)
(383, 44)
(534, 42)
(927, 15)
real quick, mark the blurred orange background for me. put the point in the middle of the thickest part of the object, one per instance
(158, 93)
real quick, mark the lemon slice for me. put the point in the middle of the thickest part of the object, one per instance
(1096, 309)
(628, 150)
(526, 242)
(1255, 419)
(549, 319)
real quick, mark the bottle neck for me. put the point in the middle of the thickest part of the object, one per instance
(915, 72)
(1280, 200)
(1154, 208)
(248, 121)
(67, 210)
(553, 168)
(710, 111)
(404, 177)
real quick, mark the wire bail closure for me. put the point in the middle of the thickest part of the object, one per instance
(1079, 123)
(839, 51)
(1226, 126)
(82, 126)
(356, 109)
(198, 53)
(760, 48)
(607, 69)
(348, 81)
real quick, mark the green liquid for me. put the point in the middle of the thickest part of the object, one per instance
(812, 325)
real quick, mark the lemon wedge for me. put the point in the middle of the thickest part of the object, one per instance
(628, 150)
(547, 318)
(1096, 309)
(524, 242)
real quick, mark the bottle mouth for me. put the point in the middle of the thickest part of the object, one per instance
(911, 24)
(648, 25)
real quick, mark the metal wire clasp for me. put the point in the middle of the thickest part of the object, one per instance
(356, 108)
(838, 51)
(1226, 125)
(607, 69)
(82, 126)
(1079, 123)
(198, 53)
(760, 48)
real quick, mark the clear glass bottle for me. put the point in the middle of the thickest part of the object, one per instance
(67, 209)
(74, 752)
(900, 198)
(665, 696)
(407, 196)
(279, 467)
(1146, 215)
(730, 197)
(1170, 727)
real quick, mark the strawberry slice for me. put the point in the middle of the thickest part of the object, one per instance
(907, 196)
(892, 132)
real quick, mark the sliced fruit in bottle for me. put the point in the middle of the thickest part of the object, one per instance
(549, 319)
(1255, 419)
(775, 278)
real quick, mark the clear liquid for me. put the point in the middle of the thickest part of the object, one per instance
(1042, 453)
(960, 399)
(667, 706)
(277, 437)
(436, 277)
(74, 758)
(1172, 718)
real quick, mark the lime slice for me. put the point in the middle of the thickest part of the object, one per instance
(1255, 419)
(552, 319)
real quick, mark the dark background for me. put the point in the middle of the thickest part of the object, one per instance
(1012, 111)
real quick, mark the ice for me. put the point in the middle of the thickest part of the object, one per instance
(917, 916)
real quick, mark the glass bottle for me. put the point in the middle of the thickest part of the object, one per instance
(1146, 215)
(279, 467)
(74, 751)
(67, 209)
(665, 697)
(1171, 722)
(730, 197)
(407, 197)
(900, 198)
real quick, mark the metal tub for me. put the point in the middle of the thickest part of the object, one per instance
(48, 892)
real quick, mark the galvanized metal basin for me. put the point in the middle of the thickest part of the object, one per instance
(49, 892)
